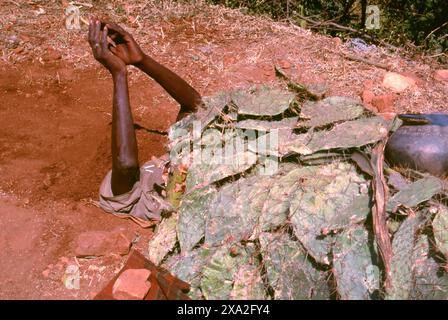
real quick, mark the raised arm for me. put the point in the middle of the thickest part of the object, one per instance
(129, 51)
(125, 166)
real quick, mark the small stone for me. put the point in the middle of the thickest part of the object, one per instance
(441, 75)
(384, 103)
(397, 82)
(132, 284)
(285, 64)
(367, 96)
(101, 243)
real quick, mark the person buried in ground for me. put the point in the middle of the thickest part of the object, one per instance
(130, 190)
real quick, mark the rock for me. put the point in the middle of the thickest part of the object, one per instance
(413, 76)
(397, 82)
(367, 96)
(441, 75)
(285, 64)
(384, 103)
(132, 284)
(101, 243)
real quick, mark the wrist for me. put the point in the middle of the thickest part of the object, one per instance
(139, 64)
(121, 74)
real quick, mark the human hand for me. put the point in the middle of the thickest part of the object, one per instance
(101, 50)
(126, 48)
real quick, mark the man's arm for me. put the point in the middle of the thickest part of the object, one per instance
(130, 53)
(178, 88)
(125, 166)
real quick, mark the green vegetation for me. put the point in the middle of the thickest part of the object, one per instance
(418, 24)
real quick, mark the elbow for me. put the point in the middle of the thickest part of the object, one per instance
(193, 106)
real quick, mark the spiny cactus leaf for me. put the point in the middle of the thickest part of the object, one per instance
(262, 101)
(266, 125)
(440, 229)
(362, 132)
(164, 239)
(272, 143)
(289, 272)
(296, 143)
(234, 213)
(192, 215)
(403, 259)
(323, 157)
(214, 138)
(248, 284)
(189, 266)
(213, 108)
(356, 275)
(180, 151)
(276, 208)
(355, 213)
(313, 91)
(218, 274)
(218, 165)
(396, 180)
(181, 128)
(330, 110)
(317, 90)
(415, 193)
(223, 155)
(330, 192)
(429, 282)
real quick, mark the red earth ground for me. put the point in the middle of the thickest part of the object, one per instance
(55, 122)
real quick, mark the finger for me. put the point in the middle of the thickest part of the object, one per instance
(116, 28)
(97, 31)
(97, 38)
(112, 49)
(104, 44)
(91, 31)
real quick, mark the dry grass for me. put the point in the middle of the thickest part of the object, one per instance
(217, 48)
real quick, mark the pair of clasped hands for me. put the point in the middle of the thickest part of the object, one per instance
(115, 55)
